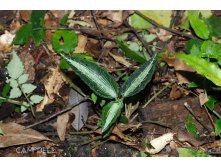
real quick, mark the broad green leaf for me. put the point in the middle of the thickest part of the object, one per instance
(134, 55)
(218, 127)
(203, 67)
(23, 34)
(28, 88)
(191, 126)
(15, 93)
(138, 22)
(199, 26)
(139, 78)
(193, 42)
(162, 17)
(38, 25)
(211, 103)
(110, 114)
(35, 99)
(15, 67)
(24, 106)
(64, 41)
(195, 50)
(23, 78)
(13, 83)
(187, 152)
(100, 81)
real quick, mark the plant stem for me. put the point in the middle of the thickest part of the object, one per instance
(29, 103)
(11, 101)
(157, 94)
(217, 114)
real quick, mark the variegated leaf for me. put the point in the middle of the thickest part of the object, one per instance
(100, 81)
(110, 114)
(139, 78)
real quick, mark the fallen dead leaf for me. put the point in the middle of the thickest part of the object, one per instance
(82, 41)
(162, 34)
(25, 15)
(53, 81)
(62, 122)
(28, 62)
(180, 65)
(120, 60)
(159, 143)
(116, 16)
(203, 98)
(15, 134)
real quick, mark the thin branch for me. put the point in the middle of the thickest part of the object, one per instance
(163, 27)
(192, 113)
(58, 113)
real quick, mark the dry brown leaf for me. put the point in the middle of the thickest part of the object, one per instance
(114, 15)
(28, 62)
(82, 41)
(15, 134)
(180, 65)
(62, 123)
(53, 81)
(162, 34)
(203, 98)
(25, 15)
(120, 60)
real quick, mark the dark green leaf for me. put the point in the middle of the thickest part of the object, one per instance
(23, 34)
(214, 23)
(94, 98)
(123, 119)
(211, 103)
(203, 67)
(64, 41)
(193, 85)
(199, 26)
(187, 152)
(139, 78)
(191, 126)
(64, 20)
(6, 90)
(38, 25)
(218, 127)
(134, 55)
(189, 45)
(110, 114)
(100, 81)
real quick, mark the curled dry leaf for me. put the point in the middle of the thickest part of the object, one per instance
(62, 122)
(53, 81)
(82, 41)
(159, 143)
(116, 16)
(15, 134)
(162, 34)
(180, 65)
(203, 98)
(120, 60)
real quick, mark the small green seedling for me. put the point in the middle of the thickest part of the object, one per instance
(105, 86)
(19, 85)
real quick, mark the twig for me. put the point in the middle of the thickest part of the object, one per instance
(192, 113)
(161, 26)
(157, 94)
(11, 101)
(210, 118)
(58, 113)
